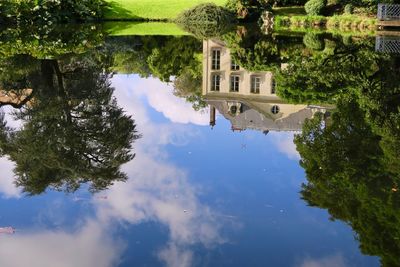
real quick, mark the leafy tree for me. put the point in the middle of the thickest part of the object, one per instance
(320, 77)
(348, 175)
(73, 130)
(253, 50)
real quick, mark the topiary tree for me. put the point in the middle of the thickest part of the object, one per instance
(206, 20)
(315, 7)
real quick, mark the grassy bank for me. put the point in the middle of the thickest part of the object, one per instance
(151, 9)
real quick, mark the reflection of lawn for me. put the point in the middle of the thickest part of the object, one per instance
(151, 9)
(146, 28)
(289, 11)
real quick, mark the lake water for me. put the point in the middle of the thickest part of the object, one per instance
(172, 151)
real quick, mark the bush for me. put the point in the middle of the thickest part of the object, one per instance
(315, 7)
(206, 20)
(348, 9)
(248, 9)
(312, 41)
(46, 11)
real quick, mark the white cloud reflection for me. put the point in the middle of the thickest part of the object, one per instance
(157, 190)
(88, 247)
(336, 260)
(160, 97)
(284, 144)
(7, 187)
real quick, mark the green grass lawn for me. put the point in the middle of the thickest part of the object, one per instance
(152, 9)
(143, 28)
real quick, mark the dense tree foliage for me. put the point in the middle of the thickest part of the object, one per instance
(351, 174)
(318, 77)
(47, 12)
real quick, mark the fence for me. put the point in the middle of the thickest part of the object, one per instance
(388, 12)
(387, 44)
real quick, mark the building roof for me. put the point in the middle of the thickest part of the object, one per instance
(251, 117)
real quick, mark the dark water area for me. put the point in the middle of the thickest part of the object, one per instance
(247, 149)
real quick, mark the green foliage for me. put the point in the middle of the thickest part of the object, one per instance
(313, 41)
(349, 174)
(173, 55)
(47, 12)
(248, 9)
(315, 7)
(189, 86)
(351, 154)
(206, 20)
(322, 76)
(70, 10)
(348, 9)
(252, 50)
(73, 130)
(50, 42)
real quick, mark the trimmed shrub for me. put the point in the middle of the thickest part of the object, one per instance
(315, 7)
(313, 41)
(206, 20)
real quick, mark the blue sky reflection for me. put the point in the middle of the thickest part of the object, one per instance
(202, 197)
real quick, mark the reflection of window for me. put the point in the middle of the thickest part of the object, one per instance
(215, 82)
(275, 109)
(255, 84)
(234, 83)
(215, 59)
(273, 86)
(234, 66)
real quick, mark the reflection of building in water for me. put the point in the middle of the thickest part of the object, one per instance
(246, 98)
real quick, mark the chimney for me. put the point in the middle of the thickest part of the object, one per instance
(212, 116)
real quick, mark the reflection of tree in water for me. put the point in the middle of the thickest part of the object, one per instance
(73, 130)
(352, 159)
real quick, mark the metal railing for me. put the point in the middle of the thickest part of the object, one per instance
(387, 44)
(388, 12)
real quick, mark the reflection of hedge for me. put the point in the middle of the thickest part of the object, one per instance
(49, 43)
(206, 20)
(312, 41)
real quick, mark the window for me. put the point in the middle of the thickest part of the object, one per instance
(273, 86)
(275, 109)
(215, 59)
(215, 82)
(255, 84)
(234, 66)
(234, 83)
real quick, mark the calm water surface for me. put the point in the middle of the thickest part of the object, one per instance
(112, 155)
